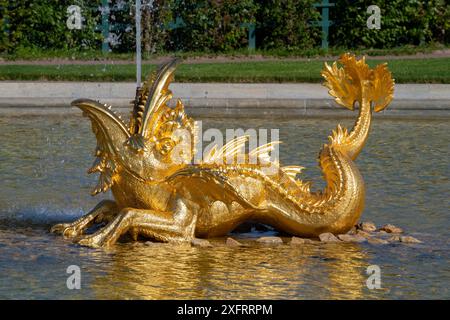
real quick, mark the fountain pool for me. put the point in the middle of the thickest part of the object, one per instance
(43, 163)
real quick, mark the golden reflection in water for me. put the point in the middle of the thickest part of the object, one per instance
(346, 271)
(164, 271)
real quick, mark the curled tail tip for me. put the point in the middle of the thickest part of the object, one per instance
(346, 83)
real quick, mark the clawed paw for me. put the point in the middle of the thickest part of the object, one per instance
(88, 241)
(59, 228)
(66, 229)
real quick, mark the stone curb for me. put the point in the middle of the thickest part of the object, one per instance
(226, 99)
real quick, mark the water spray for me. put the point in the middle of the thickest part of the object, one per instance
(138, 54)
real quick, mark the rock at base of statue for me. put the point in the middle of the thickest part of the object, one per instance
(390, 228)
(367, 226)
(377, 241)
(328, 237)
(270, 240)
(363, 234)
(351, 238)
(409, 239)
(296, 241)
(233, 243)
(201, 243)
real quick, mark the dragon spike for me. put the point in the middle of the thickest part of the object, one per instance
(230, 150)
(209, 158)
(154, 95)
(96, 166)
(261, 153)
(292, 171)
(158, 94)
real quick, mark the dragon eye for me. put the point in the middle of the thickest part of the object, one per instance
(165, 145)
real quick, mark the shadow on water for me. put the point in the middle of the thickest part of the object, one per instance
(44, 180)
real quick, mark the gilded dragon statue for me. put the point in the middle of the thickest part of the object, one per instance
(160, 193)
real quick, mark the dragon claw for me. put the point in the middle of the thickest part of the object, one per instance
(59, 228)
(88, 241)
(68, 230)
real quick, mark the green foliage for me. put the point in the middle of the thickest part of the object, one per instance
(212, 25)
(30, 27)
(439, 22)
(155, 34)
(42, 24)
(402, 22)
(285, 24)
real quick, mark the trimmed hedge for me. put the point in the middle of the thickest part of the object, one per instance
(42, 24)
(212, 25)
(403, 22)
(218, 25)
(285, 24)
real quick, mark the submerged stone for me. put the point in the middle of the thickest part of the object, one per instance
(233, 243)
(353, 230)
(409, 239)
(270, 240)
(296, 241)
(328, 237)
(363, 234)
(390, 228)
(138, 244)
(367, 226)
(394, 239)
(377, 241)
(352, 238)
(201, 243)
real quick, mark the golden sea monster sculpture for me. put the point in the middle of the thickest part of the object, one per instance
(161, 193)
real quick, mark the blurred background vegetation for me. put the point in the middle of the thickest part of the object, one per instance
(218, 26)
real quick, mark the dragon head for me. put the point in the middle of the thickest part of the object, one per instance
(157, 141)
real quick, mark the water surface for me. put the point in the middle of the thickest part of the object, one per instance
(43, 163)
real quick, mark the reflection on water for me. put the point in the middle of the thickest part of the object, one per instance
(43, 173)
(272, 272)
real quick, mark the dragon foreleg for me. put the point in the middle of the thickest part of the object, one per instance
(162, 226)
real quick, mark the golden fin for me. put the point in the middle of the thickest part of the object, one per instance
(382, 89)
(339, 86)
(345, 84)
(356, 70)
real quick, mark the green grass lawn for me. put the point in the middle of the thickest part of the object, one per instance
(404, 71)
